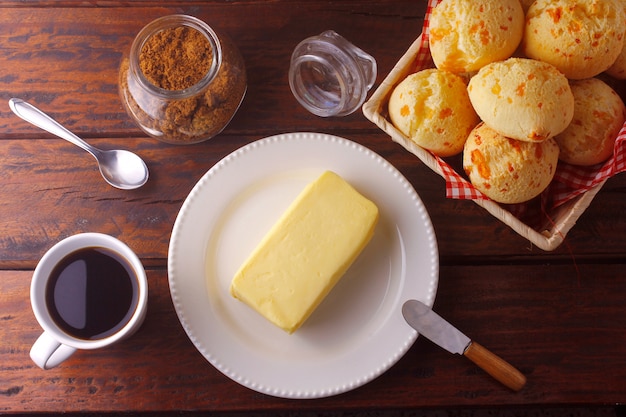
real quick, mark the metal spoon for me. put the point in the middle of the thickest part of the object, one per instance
(121, 169)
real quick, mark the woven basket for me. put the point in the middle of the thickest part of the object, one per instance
(547, 237)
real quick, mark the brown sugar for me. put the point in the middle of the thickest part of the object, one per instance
(176, 58)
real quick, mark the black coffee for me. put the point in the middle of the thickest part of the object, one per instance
(92, 293)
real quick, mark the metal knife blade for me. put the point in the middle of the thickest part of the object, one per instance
(432, 326)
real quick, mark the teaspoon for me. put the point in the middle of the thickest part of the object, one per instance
(121, 169)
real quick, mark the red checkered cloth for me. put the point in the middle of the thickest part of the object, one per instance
(569, 181)
(423, 55)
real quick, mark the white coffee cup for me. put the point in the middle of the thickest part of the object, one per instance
(71, 300)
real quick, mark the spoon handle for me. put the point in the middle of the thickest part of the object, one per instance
(40, 119)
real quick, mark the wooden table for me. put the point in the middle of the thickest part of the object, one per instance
(559, 316)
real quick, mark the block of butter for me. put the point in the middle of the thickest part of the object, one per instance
(306, 252)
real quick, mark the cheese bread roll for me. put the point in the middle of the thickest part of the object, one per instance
(522, 99)
(432, 109)
(582, 38)
(507, 170)
(599, 115)
(465, 35)
(618, 69)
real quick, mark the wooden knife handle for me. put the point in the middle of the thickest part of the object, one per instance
(495, 366)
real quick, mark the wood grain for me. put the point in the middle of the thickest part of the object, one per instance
(565, 334)
(557, 316)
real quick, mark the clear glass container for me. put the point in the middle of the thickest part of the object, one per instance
(189, 93)
(330, 76)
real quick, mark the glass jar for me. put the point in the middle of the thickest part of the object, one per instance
(330, 76)
(182, 82)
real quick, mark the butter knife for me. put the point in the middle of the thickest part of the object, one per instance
(432, 326)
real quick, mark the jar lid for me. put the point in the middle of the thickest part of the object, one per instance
(329, 76)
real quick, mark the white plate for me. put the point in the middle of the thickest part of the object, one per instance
(358, 331)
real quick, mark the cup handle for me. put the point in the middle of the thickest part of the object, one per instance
(47, 352)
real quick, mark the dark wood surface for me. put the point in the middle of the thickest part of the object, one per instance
(559, 316)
